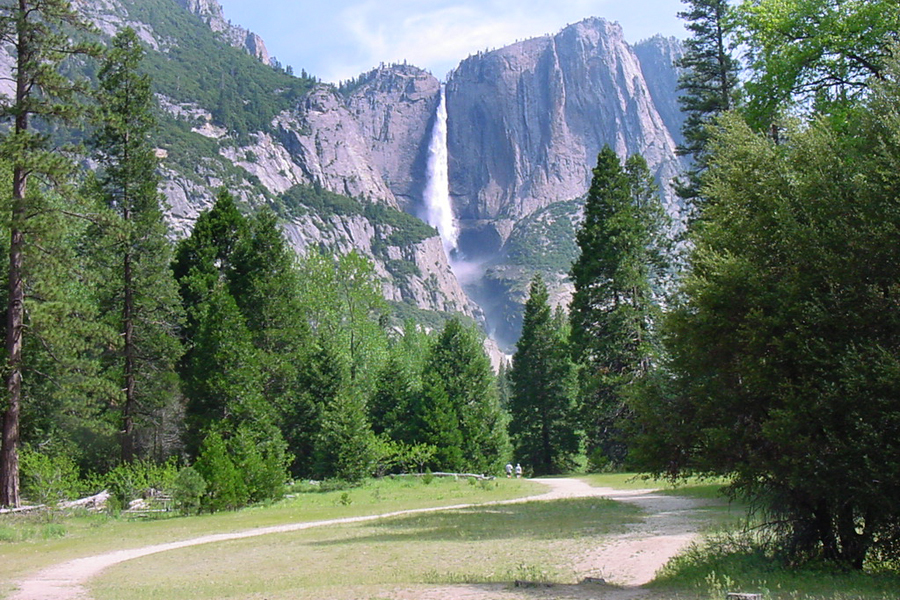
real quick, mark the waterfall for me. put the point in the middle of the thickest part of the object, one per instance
(439, 210)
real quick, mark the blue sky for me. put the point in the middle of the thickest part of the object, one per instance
(339, 39)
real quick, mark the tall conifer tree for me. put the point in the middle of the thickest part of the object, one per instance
(543, 422)
(464, 371)
(40, 34)
(709, 81)
(140, 296)
(618, 279)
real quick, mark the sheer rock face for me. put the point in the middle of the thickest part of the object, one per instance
(370, 141)
(434, 287)
(527, 122)
(394, 107)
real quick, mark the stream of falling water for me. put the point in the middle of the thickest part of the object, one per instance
(439, 209)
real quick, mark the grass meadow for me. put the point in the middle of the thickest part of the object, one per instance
(493, 544)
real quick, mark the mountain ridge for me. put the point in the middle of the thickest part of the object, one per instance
(525, 124)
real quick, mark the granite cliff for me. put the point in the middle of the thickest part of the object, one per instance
(525, 125)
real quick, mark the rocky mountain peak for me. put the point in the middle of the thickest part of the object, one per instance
(527, 121)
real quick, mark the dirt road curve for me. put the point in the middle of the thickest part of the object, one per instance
(628, 560)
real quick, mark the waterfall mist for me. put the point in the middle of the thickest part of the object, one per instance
(438, 208)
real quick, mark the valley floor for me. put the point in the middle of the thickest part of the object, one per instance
(625, 561)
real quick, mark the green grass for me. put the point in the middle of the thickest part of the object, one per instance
(25, 548)
(727, 562)
(493, 544)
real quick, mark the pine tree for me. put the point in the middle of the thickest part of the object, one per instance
(458, 358)
(543, 422)
(39, 31)
(709, 81)
(222, 378)
(618, 280)
(140, 297)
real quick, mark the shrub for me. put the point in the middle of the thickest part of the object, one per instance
(188, 490)
(137, 479)
(48, 479)
(225, 487)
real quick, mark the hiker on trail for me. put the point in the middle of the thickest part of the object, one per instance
(518, 470)
(508, 470)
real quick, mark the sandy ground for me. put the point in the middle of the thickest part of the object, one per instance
(625, 561)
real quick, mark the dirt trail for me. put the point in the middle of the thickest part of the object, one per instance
(628, 560)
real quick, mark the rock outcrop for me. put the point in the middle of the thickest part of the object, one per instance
(527, 122)
(210, 11)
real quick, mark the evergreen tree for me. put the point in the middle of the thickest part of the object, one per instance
(458, 358)
(784, 344)
(436, 423)
(346, 446)
(543, 422)
(40, 34)
(222, 378)
(709, 81)
(139, 295)
(203, 260)
(618, 280)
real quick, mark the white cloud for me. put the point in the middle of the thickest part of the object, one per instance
(437, 35)
(340, 39)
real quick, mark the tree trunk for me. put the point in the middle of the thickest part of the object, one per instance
(128, 327)
(9, 445)
(9, 452)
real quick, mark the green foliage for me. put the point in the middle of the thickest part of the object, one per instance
(404, 228)
(248, 465)
(48, 479)
(346, 447)
(543, 424)
(42, 32)
(619, 278)
(708, 81)
(129, 481)
(225, 485)
(188, 490)
(545, 240)
(243, 94)
(129, 249)
(814, 54)
(222, 376)
(437, 424)
(399, 457)
(784, 343)
(341, 298)
(463, 370)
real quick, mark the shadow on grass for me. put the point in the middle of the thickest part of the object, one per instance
(539, 520)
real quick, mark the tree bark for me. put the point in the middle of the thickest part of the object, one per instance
(9, 445)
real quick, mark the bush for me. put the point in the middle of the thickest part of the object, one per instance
(225, 487)
(250, 466)
(188, 491)
(48, 479)
(138, 479)
(262, 459)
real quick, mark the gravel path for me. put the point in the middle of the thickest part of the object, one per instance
(629, 559)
